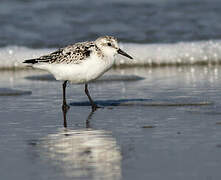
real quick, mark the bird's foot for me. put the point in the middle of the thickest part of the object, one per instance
(65, 107)
(95, 107)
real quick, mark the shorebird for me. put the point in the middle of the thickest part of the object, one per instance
(82, 62)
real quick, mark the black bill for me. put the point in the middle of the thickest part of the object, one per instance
(119, 51)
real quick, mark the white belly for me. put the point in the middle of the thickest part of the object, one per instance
(86, 71)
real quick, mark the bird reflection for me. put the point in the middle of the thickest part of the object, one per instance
(64, 111)
(83, 153)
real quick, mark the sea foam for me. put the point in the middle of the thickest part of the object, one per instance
(183, 53)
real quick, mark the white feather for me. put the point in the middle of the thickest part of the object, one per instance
(88, 70)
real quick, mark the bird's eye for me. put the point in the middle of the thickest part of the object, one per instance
(109, 44)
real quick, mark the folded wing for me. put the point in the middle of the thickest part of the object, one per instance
(70, 54)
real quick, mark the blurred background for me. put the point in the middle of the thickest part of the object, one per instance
(55, 23)
(147, 29)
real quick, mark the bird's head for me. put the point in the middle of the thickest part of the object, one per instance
(109, 46)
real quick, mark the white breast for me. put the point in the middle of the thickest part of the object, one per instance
(86, 71)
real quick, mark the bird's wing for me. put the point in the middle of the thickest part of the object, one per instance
(75, 53)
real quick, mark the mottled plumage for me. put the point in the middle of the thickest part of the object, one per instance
(71, 54)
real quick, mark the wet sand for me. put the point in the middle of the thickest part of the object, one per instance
(155, 123)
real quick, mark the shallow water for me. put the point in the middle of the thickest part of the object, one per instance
(115, 142)
(156, 123)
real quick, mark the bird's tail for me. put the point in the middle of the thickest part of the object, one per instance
(31, 61)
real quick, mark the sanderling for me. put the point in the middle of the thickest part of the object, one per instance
(80, 63)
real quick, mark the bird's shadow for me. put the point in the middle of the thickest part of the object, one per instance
(146, 102)
(118, 102)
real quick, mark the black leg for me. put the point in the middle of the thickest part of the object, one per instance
(65, 107)
(64, 116)
(93, 105)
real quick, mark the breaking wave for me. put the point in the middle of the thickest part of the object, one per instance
(183, 53)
